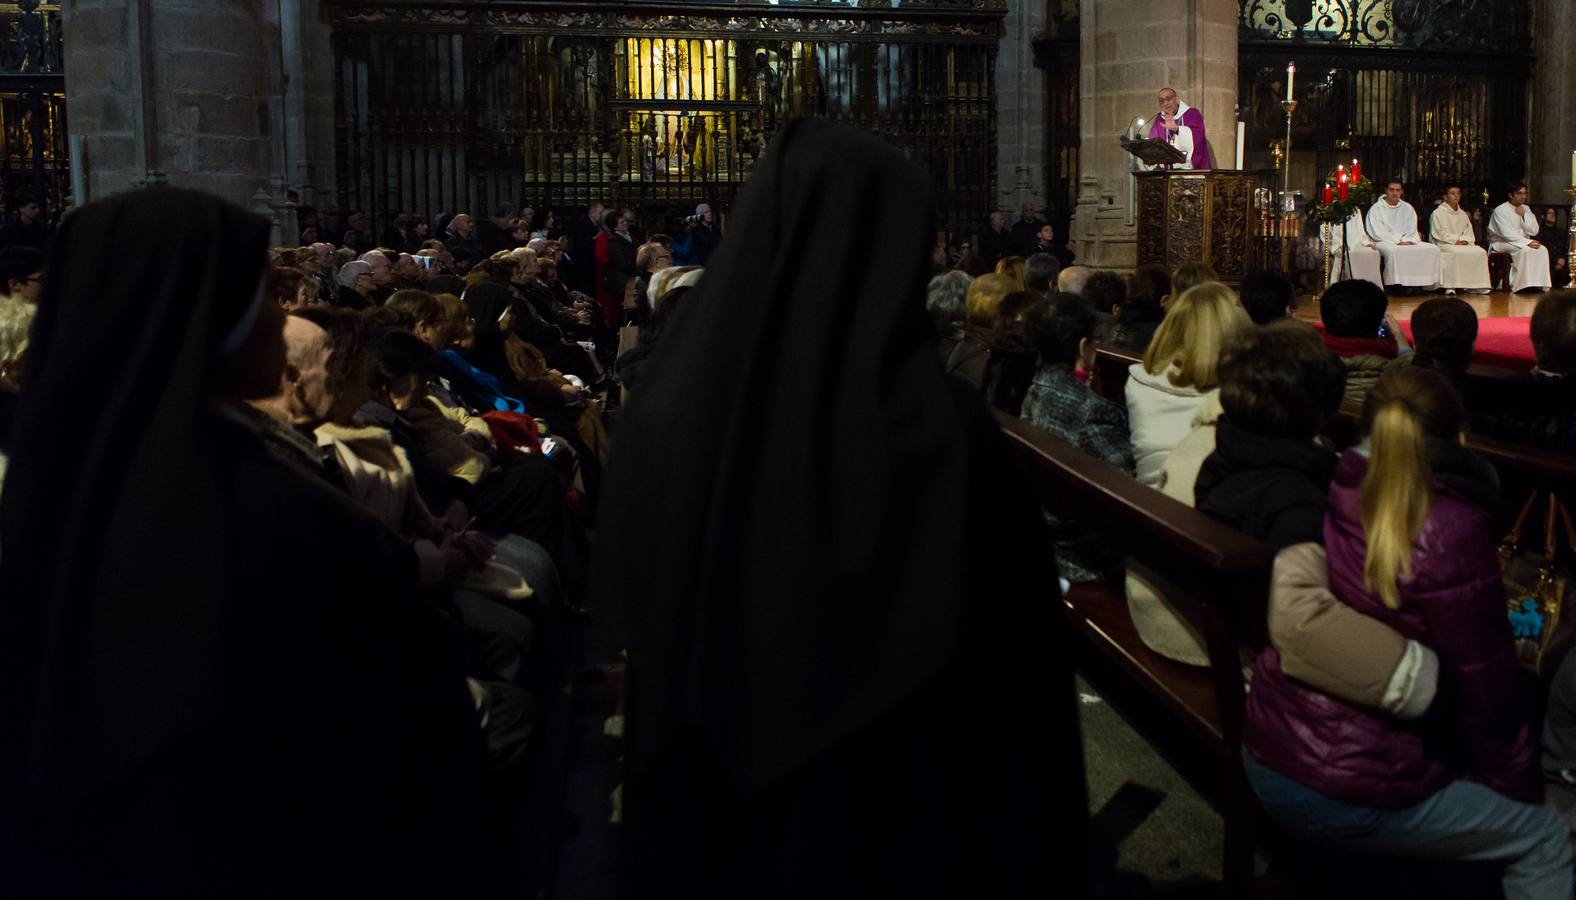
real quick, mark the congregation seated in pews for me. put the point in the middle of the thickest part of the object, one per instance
(331, 548)
(1386, 606)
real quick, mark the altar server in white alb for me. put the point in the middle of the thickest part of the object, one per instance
(1463, 264)
(1392, 223)
(1514, 230)
(1361, 261)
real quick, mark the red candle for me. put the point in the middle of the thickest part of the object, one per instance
(1357, 170)
(1327, 193)
(1344, 185)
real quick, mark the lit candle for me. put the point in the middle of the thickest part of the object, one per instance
(1357, 171)
(1291, 77)
(1344, 185)
(1327, 194)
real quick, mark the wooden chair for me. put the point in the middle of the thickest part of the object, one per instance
(1223, 579)
(1499, 271)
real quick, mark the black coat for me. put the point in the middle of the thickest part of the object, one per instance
(1534, 409)
(1271, 488)
(814, 537)
(171, 681)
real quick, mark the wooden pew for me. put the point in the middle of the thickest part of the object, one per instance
(1223, 576)
(1520, 467)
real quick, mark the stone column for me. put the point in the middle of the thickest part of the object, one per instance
(307, 44)
(1128, 52)
(171, 91)
(1553, 131)
(1020, 110)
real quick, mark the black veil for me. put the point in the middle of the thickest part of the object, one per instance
(812, 540)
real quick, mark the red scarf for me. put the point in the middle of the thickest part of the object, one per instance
(1346, 347)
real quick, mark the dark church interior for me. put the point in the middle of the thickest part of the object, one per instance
(571, 450)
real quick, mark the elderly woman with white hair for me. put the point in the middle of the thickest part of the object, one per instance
(944, 300)
(355, 285)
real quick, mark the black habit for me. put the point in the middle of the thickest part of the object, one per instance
(215, 678)
(845, 676)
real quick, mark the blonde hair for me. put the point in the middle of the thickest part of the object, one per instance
(1012, 267)
(1404, 409)
(985, 297)
(1197, 326)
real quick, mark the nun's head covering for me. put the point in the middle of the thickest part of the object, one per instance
(665, 281)
(114, 570)
(783, 508)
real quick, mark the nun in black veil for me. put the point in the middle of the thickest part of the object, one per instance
(216, 679)
(845, 678)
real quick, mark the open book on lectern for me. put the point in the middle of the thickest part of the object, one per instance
(1153, 153)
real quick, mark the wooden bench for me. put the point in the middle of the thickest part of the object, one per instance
(1222, 577)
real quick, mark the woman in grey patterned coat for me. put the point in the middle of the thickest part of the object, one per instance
(1060, 401)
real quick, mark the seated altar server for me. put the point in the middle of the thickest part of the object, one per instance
(1182, 127)
(1463, 264)
(1362, 261)
(1514, 230)
(1392, 223)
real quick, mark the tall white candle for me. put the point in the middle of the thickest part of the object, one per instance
(1242, 134)
(1573, 168)
(1291, 78)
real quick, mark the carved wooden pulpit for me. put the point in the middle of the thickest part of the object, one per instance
(1224, 217)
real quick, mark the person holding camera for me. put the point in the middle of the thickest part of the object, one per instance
(697, 238)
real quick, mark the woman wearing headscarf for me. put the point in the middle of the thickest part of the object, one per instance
(214, 678)
(839, 684)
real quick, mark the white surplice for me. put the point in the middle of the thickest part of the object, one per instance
(1462, 268)
(1415, 264)
(1364, 260)
(1513, 234)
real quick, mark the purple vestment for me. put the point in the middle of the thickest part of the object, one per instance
(1193, 119)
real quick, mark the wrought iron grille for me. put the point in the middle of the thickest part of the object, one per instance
(1431, 93)
(34, 156)
(443, 110)
(1485, 25)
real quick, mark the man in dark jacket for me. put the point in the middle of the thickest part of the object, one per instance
(1025, 231)
(1268, 475)
(26, 227)
(1539, 407)
(580, 274)
(462, 242)
(995, 241)
(493, 234)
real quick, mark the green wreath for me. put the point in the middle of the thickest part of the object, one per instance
(1359, 196)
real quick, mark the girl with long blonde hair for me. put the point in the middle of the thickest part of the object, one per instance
(1411, 544)
(1178, 370)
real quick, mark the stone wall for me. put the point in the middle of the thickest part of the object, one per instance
(1127, 55)
(1553, 118)
(1020, 109)
(199, 94)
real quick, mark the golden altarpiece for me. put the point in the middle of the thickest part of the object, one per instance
(461, 105)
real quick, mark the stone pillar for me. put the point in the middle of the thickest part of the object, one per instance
(1020, 110)
(1127, 53)
(171, 91)
(1553, 131)
(308, 50)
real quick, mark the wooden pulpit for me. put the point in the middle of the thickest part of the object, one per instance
(1224, 217)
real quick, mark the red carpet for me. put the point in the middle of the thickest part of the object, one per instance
(1504, 343)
